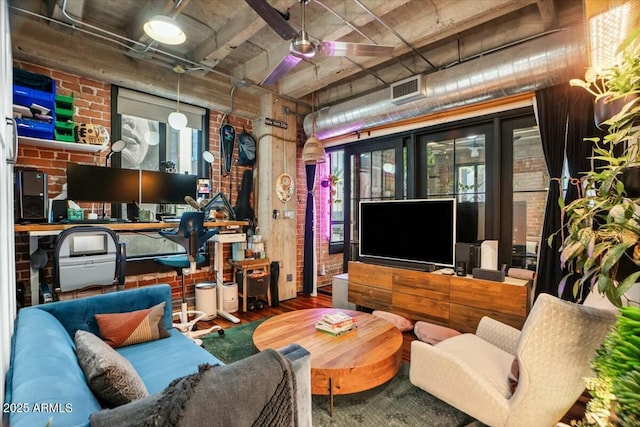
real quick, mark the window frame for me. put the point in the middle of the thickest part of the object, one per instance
(409, 185)
(146, 264)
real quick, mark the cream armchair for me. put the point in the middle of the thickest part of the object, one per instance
(471, 372)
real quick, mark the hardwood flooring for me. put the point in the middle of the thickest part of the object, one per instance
(323, 299)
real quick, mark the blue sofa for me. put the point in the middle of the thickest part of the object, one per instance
(46, 382)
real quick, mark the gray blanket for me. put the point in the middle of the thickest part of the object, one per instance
(257, 391)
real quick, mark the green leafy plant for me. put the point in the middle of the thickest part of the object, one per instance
(615, 390)
(603, 225)
(333, 184)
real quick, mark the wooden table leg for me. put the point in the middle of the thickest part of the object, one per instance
(244, 290)
(330, 397)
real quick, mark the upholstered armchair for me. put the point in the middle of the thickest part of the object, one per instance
(552, 354)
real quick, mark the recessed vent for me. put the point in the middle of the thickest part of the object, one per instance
(407, 90)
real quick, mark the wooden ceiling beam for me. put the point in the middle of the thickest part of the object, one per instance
(256, 69)
(420, 30)
(240, 28)
(548, 14)
(36, 42)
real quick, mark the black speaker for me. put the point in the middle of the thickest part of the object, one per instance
(133, 212)
(58, 210)
(274, 269)
(30, 196)
(469, 254)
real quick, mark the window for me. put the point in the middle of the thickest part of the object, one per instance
(151, 144)
(373, 171)
(493, 165)
(530, 181)
(336, 184)
(456, 167)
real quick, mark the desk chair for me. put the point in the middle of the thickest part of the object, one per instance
(88, 257)
(191, 235)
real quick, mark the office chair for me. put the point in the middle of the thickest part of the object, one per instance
(88, 257)
(191, 235)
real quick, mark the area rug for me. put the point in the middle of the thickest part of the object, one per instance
(396, 403)
(235, 344)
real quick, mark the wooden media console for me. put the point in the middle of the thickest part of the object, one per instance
(452, 301)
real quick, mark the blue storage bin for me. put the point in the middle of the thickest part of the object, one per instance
(35, 128)
(32, 127)
(26, 96)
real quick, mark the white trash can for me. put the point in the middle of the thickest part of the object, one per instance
(207, 300)
(230, 297)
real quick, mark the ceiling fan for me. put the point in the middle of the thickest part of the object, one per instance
(302, 47)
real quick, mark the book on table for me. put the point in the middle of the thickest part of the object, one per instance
(335, 330)
(338, 319)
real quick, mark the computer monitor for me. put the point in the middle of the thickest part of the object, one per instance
(89, 183)
(165, 188)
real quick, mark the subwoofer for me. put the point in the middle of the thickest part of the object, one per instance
(30, 196)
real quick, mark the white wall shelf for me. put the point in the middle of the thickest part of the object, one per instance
(61, 145)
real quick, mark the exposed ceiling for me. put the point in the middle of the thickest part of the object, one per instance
(230, 46)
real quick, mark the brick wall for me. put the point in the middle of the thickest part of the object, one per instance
(92, 103)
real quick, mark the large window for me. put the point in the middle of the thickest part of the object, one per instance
(454, 165)
(493, 165)
(336, 183)
(530, 181)
(140, 120)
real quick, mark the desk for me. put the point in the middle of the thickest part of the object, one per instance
(250, 264)
(35, 231)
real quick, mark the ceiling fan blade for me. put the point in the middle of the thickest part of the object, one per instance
(286, 64)
(333, 48)
(273, 18)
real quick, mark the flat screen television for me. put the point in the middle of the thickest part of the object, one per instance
(410, 233)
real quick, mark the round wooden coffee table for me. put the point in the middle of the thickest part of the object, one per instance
(355, 361)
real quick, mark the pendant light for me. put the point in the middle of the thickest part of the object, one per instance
(313, 151)
(178, 120)
(164, 30)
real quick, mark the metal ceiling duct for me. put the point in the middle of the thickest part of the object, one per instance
(526, 67)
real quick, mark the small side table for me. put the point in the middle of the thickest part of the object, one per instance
(250, 264)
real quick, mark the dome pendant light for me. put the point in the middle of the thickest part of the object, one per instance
(313, 151)
(178, 120)
(164, 30)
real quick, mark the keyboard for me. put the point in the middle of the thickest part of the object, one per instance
(95, 221)
(170, 219)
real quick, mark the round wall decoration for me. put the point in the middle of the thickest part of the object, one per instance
(284, 187)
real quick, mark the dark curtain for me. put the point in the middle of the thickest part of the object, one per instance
(580, 125)
(308, 267)
(552, 107)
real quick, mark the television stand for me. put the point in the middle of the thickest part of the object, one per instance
(457, 302)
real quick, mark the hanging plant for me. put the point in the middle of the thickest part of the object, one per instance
(603, 225)
(333, 185)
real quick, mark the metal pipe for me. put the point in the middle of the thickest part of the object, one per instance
(194, 65)
(526, 67)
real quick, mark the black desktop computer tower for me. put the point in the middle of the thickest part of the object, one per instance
(31, 199)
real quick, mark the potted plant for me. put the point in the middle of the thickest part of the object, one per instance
(615, 389)
(603, 226)
(601, 241)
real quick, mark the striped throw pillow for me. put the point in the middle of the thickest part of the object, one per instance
(122, 329)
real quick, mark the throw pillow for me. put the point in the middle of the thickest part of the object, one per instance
(122, 329)
(514, 375)
(433, 334)
(110, 376)
(398, 321)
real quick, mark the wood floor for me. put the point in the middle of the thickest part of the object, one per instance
(323, 299)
